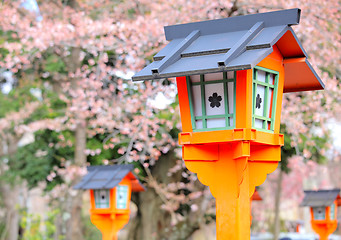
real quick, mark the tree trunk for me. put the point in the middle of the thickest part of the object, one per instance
(154, 223)
(10, 193)
(277, 226)
(74, 226)
(10, 197)
(74, 230)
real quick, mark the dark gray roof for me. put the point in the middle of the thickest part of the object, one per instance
(107, 177)
(320, 198)
(234, 43)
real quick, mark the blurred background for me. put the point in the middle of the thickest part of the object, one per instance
(67, 102)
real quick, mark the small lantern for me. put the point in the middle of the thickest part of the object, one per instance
(255, 197)
(231, 75)
(110, 191)
(323, 209)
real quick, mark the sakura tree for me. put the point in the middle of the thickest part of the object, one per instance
(72, 63)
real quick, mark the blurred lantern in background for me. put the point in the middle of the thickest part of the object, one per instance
(323, 208)
(110, 192)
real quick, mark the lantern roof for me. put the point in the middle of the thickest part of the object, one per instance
(108, 177)
(320, 198)
(234, 43)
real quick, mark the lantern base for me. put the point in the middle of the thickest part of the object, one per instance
(232, 171)
(109, 224)
(324, 228)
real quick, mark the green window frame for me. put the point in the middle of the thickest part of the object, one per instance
(98, 194)
(122, 197)
(319, 213)
(332, 211)
(204, 117)
(268, 122)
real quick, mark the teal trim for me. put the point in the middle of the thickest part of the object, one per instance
(254, 95)
(234, 98)
(122, 197)
(262, 118)
(332, 211)
(213, 116)
(254, 100)
(204, 117)
(189, 89)
(211, 129)
(213, 81)
(267, 85)
(266, 70)
(274, 101)
(264, 84)
(226, 102)
(203, 100)
(265, 106)
(98, 202)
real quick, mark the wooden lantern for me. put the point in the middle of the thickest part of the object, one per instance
(231, 75)
(110, 192)
(323, 209)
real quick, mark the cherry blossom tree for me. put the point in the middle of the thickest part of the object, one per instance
(74, 63)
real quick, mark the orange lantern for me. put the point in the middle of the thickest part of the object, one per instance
(231, 75)
(110, 192)
(323, 209)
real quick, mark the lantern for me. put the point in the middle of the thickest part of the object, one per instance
(110, 192)
(231, 75)
(323, 209)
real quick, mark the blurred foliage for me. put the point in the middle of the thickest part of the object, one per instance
(287, 151)
(54, 64)
(90, 231)
(36, 228)
(36, 160)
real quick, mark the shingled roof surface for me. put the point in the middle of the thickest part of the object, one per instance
(320, 198)
(234, 43)
(107, 177)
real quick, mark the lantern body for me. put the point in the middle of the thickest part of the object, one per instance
(108, 201)
(110, 208)
(249, 104)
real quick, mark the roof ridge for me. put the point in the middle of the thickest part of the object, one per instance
(275, 18)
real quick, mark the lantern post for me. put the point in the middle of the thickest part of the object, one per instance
(231, 75)
(110, 193)
(323, 210)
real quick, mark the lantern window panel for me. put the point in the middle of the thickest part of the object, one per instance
(102, 197)
(122, 197)
(332, 212)
(319, 213)
(212, 100)
(265, 84)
